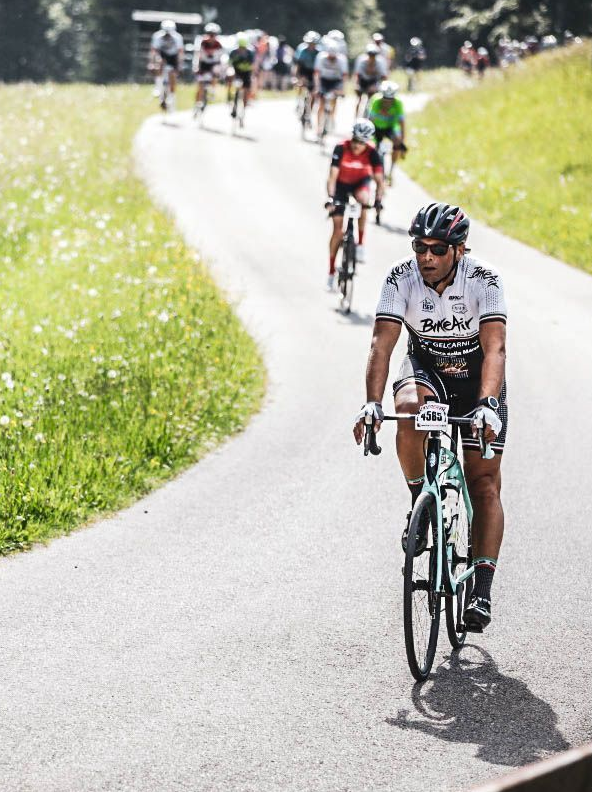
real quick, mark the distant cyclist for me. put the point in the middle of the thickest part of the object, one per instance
(336, 37)
(415, 57)
(305, 59)
(466, 59)
(166, 48)
(483, 62)
(207, 53)
(370, 69)
(354, 165)
(387, 52)
(386, 112)
(453, 308)
(330, 71)
(242, 60)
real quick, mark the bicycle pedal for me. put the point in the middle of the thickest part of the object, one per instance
(472, 628)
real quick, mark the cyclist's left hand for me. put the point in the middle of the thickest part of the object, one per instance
(488, 418)
(373, 409)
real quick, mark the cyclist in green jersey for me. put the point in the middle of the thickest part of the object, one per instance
(386, 112)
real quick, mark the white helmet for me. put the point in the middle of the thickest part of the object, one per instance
(363, 130)
(312, 37)
(336, 34)
(212, 27)
(168, 26)
(378, 37)
(468, 44)
(388, 89)
(372, 49)
(331, 47)
(415, 41)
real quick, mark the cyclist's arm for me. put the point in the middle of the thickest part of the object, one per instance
(492, 337)
(402, 125)
(385, 336)
(332, 180)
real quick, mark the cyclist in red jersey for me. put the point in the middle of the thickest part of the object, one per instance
(354, 165)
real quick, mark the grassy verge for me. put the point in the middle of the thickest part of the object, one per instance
(516, 152)
(120, 363)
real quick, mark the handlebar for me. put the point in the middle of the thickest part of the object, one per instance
(371, 446)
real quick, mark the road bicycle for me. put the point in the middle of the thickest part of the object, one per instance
(238, 105)
(329, 117)
(305, 110)
(346, 272)
(167, 97)
(200, 107)
(444, 570)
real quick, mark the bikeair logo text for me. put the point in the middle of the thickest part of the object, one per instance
(446, 325)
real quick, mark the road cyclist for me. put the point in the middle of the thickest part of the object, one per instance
(303, 69)
(207, 54)
(370, 70)
(355, 164)
(386, 51)
(453, 307)
(241, 60)
(415, 57)
(387, 113)
(166, 61)
(330, 71)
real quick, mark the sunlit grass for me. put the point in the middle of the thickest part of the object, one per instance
(516, 152)
(120, 362)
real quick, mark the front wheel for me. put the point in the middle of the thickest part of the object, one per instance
(347, 272)
(421, 601)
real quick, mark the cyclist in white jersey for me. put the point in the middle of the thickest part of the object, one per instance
(330, 71)
(454, 310)
(369, 70)
(166, 47)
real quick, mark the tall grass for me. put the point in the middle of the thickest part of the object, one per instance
(516, 151)
(120, 362)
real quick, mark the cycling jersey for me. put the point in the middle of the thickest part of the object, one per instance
(389, 118)
(167, 44)
(210, 50)
(362, 68)
(306, 57)
(242, 59)
(331, 68)
(444, 329)
(354, 168)
(414, 58)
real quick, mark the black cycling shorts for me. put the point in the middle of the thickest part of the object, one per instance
(461, 395)
(245, 78)
(306, 73)
(343, 191)
(170, 60)
(366, 85)
(330, 86)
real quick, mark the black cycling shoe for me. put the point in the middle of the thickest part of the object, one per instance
(422, 535)
(477, 614)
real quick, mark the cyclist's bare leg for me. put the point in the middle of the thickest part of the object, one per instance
(362, 196)
(410, 448)
(484, 481)
(321, 115)
(336, 236)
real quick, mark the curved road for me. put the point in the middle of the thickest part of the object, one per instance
(240, 629)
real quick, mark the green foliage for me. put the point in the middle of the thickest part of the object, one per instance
(516, 152)
(120, 363)
(362, 20)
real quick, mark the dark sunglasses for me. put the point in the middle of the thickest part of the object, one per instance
(438, 249)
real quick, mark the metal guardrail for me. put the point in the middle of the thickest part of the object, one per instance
(570, 771)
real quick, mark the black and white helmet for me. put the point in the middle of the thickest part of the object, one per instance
(441, 221)
(389, 89)
(363, 130)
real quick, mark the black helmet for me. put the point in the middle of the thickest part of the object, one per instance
(441, 221)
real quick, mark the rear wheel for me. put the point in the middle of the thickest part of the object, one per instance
(460, 533)
(421, 603)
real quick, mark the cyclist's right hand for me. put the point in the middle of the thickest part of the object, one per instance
(370, 413)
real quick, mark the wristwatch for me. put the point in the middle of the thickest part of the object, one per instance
(489, 401)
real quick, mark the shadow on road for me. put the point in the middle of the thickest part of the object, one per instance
(468, 700)
(354, 318)
(393, 229)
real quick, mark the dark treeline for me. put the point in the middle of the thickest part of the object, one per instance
(92, 39)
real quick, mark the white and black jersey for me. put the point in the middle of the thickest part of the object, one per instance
(444, 329)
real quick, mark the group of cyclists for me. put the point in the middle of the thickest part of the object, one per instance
(452, 304)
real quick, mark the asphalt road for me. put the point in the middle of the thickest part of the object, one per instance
(241, 628)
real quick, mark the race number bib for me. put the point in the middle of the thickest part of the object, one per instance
(432, 416)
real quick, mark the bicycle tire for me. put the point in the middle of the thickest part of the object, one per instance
(348, 266)
(461, 559)
(421, 613)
